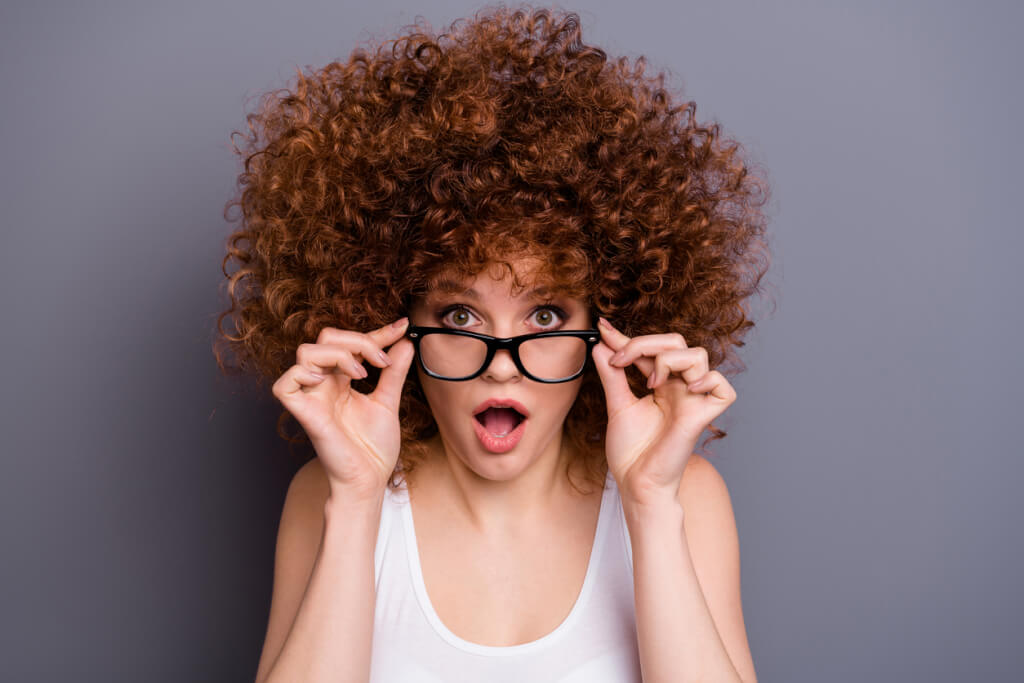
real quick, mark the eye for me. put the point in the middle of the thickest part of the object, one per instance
(459, 319)
(543, 315)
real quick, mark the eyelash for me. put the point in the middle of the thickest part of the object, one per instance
(443, 313)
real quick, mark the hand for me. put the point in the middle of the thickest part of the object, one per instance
(650, 439)
(357, 436)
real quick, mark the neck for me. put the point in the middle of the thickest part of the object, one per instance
(536, 495)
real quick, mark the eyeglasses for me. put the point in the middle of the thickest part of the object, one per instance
(460, 355)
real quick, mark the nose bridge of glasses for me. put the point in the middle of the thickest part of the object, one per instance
(502, 358)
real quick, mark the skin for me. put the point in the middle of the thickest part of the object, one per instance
(686, 566)
(683, 532)
(497, 493)
(689, 614)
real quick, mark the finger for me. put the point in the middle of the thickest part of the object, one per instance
(293, 381)
(389, 387)
(325, 359)
(649, 345)
(617, 393)
(690, 364)
(617, 341)
(368, 346)
(388, 335)
(716, 385)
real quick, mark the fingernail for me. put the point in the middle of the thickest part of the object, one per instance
(384, 357)
(360, 370)
(604, 323)
(401, 321)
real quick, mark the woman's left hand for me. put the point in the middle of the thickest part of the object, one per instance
(650, 439)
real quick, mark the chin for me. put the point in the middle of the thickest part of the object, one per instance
(504, 466)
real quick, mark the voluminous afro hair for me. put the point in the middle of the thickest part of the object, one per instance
(505, 135)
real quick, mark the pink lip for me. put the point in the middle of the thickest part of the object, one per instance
(496, 444)
(503, 444)
(501, 403)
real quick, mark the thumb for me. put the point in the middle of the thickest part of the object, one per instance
(617, 393)
(392, 378)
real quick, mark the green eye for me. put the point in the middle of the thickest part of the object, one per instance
(459, 316)
(544, 318)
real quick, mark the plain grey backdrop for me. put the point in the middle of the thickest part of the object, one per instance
(873, 455)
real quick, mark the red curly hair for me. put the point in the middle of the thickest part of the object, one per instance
(442, 154)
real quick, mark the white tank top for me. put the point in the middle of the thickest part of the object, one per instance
(595, 643)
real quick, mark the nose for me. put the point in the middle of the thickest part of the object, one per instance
(502, 368)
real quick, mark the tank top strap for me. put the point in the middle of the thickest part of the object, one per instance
(389, 513)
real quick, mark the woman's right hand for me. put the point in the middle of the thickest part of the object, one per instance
(357, 436)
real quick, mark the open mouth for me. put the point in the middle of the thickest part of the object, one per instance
(499, 421)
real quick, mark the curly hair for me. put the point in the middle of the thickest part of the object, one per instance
(444, 154)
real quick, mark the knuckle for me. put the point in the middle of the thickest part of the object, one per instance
(326, 334)
(370, 345)
(678, 338)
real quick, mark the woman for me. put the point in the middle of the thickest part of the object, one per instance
(565, 262)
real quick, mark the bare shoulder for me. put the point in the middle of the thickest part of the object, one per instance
(702, 484)
(302, 519)
(713, 542)
(298, 541)
(708, 513)
(310, 483)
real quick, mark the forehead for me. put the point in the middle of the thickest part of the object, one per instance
(473, 290)
(520, 278)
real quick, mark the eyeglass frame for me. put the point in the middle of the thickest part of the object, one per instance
(495, 344)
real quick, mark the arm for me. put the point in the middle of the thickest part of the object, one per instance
(321, 614)
(687, 583)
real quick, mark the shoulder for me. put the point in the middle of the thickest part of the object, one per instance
(708, 518)
(303, 515)
(702, 485)
(298, 541)
(310, 482)
(713, 544)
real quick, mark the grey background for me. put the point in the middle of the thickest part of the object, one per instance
(873, 454)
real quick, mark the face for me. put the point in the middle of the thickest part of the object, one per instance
(488, 306)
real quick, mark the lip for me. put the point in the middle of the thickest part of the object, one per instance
(502, 403)
(496, 444)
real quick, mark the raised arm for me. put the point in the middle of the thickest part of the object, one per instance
(321, 612)
(321, 616)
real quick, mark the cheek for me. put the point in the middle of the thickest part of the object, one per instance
(443, 397)
(562, 398)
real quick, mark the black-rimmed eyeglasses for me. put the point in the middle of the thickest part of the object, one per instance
(459, 355)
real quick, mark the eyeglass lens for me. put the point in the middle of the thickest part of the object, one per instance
(547, 358)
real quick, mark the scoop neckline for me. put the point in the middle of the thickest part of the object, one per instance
(427, 607)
